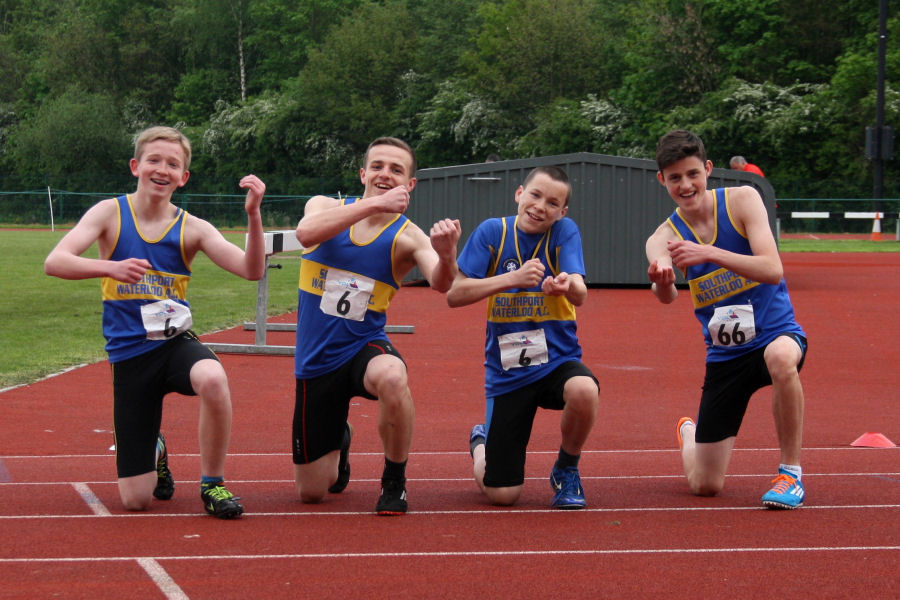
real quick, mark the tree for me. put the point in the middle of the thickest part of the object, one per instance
(669, 58)
(283, 32)
(349, 85)
(74, 132)
(459, 126)
(529, 53)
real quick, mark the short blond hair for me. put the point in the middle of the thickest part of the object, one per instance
(169, 134)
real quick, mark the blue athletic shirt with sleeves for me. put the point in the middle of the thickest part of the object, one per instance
(496, 247)
(720, 296)
(163, 285)
(336, 316)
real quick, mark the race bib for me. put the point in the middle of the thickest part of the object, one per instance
(732, 325)
(165, 319)
(523, 349)
(346, 295)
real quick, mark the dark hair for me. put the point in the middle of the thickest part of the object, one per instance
(392, 141)
(555, 173)
(678, 144)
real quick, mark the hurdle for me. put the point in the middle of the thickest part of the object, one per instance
(876, 218)
(276, 242)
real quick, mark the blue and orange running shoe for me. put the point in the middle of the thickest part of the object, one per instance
(787, 492)
(681, 422)
(568, 493)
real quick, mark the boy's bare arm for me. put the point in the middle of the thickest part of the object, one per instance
(66, 261)
(661, 272)
(248, 263)
(325, 217)
(749, 214)
(468, 290)
(435, 254)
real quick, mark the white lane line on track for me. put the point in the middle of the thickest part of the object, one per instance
(463, 554)
(162, 579)
(492, 511)
(91, 500)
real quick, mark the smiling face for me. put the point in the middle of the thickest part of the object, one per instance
(685, 180)
(386, 168)
(542, 202)
(160, 168)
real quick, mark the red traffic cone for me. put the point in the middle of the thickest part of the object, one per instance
(873, 440)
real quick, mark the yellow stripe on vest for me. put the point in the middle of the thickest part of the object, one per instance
(312, 280)
(529, 306)
(720, 284)
(155, 285)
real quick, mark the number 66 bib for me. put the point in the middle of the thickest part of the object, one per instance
(732, 325)
(523, 349)
(346, 295)
(165, 319)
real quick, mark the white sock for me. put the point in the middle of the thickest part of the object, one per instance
(796, 471)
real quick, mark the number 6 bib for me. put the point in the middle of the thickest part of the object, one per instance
(523, 349)
(165, 319)
(732, 325)
(346, 295)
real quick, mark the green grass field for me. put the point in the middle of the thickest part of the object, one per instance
(51, 324)
(832, 245)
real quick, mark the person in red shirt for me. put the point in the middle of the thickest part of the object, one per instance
(739, 163)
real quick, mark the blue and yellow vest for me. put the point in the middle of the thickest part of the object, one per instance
(712, 287)
(166, 281)
(325, 340)
(495, 247)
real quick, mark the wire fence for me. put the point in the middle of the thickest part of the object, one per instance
(56, 207)
(59, 200)
(53, 207)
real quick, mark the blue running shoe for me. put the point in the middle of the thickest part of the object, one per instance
(568, 493)
(786, 493)
(477, 437)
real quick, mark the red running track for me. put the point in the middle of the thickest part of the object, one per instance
(643, 535)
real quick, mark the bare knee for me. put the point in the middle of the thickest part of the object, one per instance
(136, 492)
(782, 357)
(392, 385)
(136, 504)
(310, 497)
(312, 480)
(504, 496)
(386, 376)
(209, 380)
(705, 486)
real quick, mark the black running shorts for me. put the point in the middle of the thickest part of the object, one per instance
(322, 404)
(511, 417)
(139, 385)
(727, 388)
